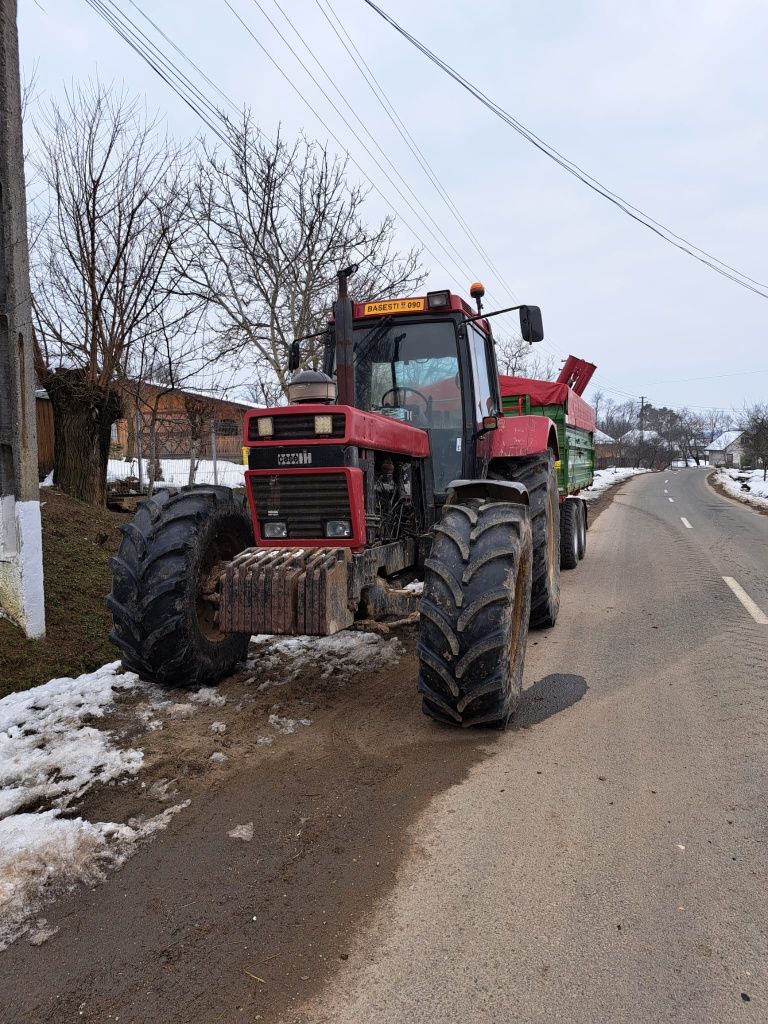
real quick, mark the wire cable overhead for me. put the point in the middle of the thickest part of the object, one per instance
(665, 233)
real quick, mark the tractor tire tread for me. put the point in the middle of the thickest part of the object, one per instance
(154, 586)
(478, 567)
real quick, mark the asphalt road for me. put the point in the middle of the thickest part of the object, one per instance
(608, 861)
(604, 860)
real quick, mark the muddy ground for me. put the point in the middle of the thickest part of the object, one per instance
(201, 927)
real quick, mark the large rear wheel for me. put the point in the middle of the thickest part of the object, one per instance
(475, 612)
(569, 533)
(582, 527)
(164, 585)
(539, 475)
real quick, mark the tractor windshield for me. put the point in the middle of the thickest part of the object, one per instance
(410, 372)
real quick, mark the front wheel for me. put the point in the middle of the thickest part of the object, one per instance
(164, 585)
(474, 613)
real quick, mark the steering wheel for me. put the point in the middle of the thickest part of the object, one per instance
(402, 387)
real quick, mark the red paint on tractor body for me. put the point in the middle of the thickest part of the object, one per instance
(365, 429)
(516, 436)
(356, 508)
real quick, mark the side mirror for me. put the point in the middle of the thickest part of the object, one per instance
(531, 327)
(294, 357)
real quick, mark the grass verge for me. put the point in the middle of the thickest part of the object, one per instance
(77, 542)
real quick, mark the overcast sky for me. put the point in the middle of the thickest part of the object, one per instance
(665, 102)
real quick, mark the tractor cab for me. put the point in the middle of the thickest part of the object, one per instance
(427, 362)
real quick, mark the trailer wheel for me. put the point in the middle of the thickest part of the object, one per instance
(539, 475)
(569, 534)
(475, 612)
(163, 599)
(582, 527)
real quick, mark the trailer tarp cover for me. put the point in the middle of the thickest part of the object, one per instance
(578, 413)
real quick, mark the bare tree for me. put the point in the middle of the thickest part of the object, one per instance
(755, 435)
(276, 223)
(105, 265)
(518, 358)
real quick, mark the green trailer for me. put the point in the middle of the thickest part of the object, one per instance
(560, 401)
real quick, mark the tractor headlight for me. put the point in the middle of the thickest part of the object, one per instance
(337, 528)
(438, 300)
(275, 530)
(323, 424)
(266, 426)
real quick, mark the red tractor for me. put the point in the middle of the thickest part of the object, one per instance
(394, 465)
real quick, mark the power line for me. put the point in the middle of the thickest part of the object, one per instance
(178, 81)
(335, 137)
(386, 104)
(572, 168)
(448, 247)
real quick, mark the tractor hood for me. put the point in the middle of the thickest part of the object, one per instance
(332, 424)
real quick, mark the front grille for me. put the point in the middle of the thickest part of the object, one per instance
(296, 427)
(302, 500)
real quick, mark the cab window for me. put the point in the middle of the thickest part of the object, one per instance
(484, 399)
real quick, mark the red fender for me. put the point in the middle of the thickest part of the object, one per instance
(522, 435)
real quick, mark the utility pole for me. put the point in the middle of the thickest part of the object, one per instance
(642, 417)
(21, 551)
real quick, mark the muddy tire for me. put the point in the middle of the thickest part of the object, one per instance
(163, 585)
(582, 527)
(569, 534)
(539, 475)
(474, 613)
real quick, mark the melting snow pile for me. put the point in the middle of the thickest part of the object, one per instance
(745, 484)
(49, 757)
(605, 478)
(48, 753)
(342, 655)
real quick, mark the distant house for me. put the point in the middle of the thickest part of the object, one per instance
(605, 449)
(178, 416)
(641, 437)
(726, 450)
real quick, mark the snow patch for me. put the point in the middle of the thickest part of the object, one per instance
(342, 655)
(416, 587)
(47, 751)
(208, 695)
(244, 832)
(607, 478)
(746, 485)
(51, 754)
(42, 855)
(287, 726)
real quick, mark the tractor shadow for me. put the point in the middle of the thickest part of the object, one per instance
(547, 697)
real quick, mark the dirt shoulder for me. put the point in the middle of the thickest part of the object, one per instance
(77, 542)
(222, 929)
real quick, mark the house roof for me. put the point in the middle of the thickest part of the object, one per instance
(722, 442)
(633, 436)
(601, 438)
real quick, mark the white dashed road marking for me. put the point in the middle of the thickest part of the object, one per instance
(685, 523)
(754, 610)
(670, 499)
(666, 491)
